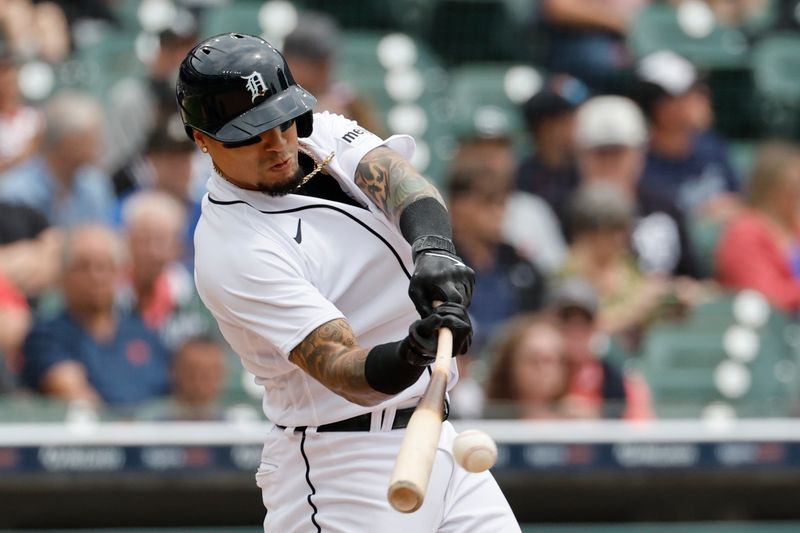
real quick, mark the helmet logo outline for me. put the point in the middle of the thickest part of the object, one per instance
(255, 85)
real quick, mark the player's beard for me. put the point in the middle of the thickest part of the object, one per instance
(282, 189)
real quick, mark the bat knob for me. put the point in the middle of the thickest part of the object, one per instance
(405, 497)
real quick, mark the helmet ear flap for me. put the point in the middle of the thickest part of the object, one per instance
(305, 124)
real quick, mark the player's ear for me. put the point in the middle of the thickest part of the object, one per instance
(201, 140)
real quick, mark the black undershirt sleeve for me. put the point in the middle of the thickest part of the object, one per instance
(387, 371)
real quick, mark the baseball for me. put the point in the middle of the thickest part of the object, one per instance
(474, 450)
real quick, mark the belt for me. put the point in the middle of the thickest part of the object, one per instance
(364, 422)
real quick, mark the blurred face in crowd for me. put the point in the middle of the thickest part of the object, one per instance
(154, 242)
(478, 214)
(606, 244)
(621, 165)
(690, 112)
(314, 75)
(173, 172)
(557, 130)
(80, 148)
(577, 328)
(493, 154)
(786, 195)
(270, 165)
(538, 369)
(91, 268)
(199, 373)
(9, 88)
(699, 108)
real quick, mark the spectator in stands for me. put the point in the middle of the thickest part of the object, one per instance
(165, 165)
(493, 152)
(198, 379)
(550, 172)
(35, 29)
(760, 248)
(311, 50)
(30, 248)
(91, 351)
(143, 105)
(528, 376)
(61, 181)
(162, 290)
(586, 38)
(596, 387)
(602, 217)
(611, 137)
(685, 157)
(20, 124)
(506, 284)
(15, 322)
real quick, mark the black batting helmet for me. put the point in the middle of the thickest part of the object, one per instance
(234, 87)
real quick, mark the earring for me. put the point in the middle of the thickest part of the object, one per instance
(204, 149)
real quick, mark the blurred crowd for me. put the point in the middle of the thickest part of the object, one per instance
(581, 240)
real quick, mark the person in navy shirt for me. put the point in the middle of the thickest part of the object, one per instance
(685, 157)
(90, 351)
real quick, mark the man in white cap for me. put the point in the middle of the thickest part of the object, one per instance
(611, 141)
(685, 156)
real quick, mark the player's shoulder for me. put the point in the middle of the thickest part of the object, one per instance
(331, 127)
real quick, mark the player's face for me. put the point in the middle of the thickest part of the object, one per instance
(269, 165)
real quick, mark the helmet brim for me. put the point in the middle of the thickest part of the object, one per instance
(273, 112)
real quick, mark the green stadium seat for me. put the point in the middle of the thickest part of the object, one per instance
(400, 86)
(776, 70)
(239, 17)
(474, 30)
(481, 98)
(704, 237)
(689, 367)
(658, 27)
(104, 63)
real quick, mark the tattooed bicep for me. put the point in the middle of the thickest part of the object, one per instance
(391, 182)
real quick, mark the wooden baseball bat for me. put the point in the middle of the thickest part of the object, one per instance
(412, 470)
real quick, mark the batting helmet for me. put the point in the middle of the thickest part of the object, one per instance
(234, 87)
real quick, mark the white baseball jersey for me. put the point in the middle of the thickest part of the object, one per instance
(273, 269)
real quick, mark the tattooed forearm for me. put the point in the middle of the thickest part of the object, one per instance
(391, 182)
(331, 355)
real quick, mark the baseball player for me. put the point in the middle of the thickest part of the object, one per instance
(313, 233)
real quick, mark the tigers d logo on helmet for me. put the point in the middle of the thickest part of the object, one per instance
(256, 86)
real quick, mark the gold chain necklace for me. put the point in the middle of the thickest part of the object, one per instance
(318, 166)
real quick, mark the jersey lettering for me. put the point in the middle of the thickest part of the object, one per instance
(351, 135)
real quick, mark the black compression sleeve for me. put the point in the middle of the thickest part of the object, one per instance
(424, 217)
(387, 371)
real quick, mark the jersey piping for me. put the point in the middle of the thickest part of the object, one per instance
(321, 206)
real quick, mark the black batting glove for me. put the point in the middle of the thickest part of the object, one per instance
(439, 275)
(419, 348)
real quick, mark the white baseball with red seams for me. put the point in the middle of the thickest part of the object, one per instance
(273, 269)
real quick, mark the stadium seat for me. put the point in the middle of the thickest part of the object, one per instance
(371, 15)
(707, 45)
(104, 63)
(487, 97)
(704, 236)
(407, 85)
(473, 30)
(231, 17)
(710, 360)
(776, 70)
